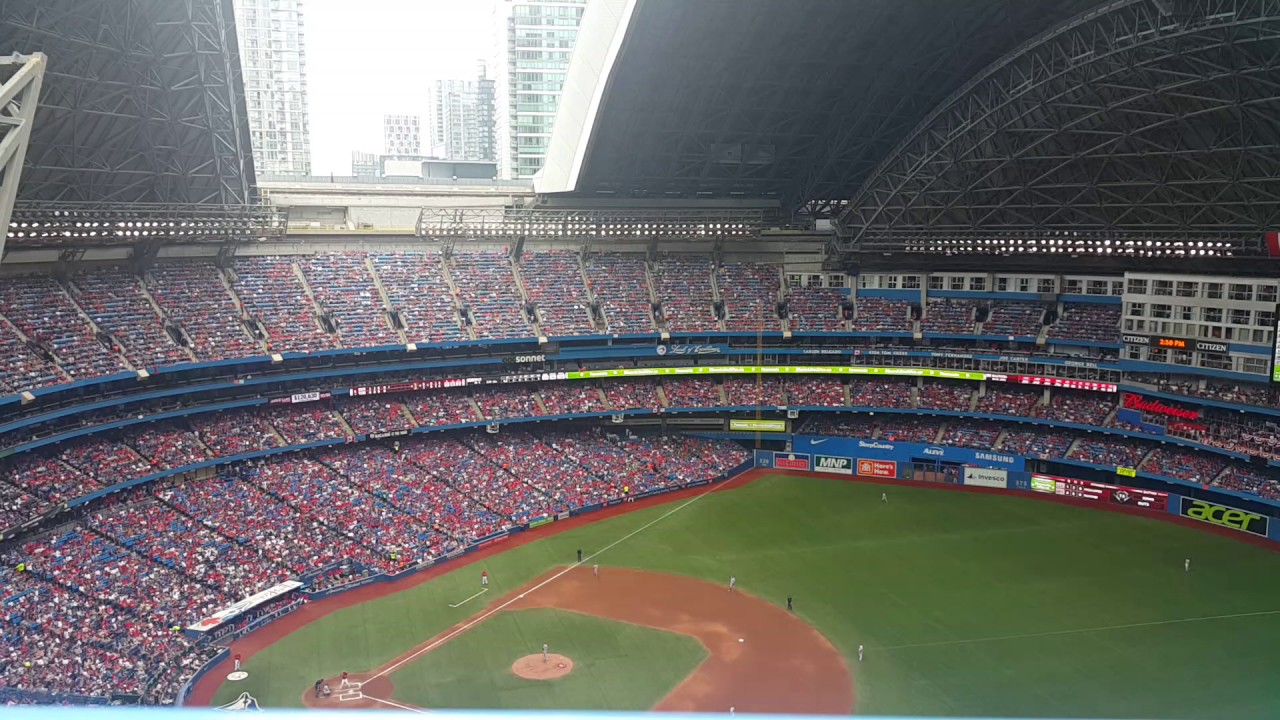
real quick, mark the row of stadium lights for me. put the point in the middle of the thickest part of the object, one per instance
(141, 228)
(592, 230)
(1145, 248)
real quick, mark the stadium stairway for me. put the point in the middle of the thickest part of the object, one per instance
(999, 443)
(537, 400)
(271, 427)
(317, 310)
(662, 396)
(66, 290)
(251, 325)
(475, 408)
(408, 415)
(446, 273)
(165, 320)
(387, 307)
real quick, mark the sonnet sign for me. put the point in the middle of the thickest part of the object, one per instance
(1137, 402)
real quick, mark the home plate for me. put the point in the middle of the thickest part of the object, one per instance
(237, 675)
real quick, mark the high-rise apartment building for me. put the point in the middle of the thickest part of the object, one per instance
(462, 119)
(273, 57)
(366, 164)
(535, 40)
(401, 136)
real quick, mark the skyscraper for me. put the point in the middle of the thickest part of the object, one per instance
(274, 61)
(535, 40)
(462, 118)
(366, 164)
(401, 136)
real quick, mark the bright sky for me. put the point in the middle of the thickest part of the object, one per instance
(367, 58)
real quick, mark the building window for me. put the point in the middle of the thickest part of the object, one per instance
(1137, 286)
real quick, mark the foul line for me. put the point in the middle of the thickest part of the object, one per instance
(492, 611)
(1082, 630)
(473, 597)
(393, 703)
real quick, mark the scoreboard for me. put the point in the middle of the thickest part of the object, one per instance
(1101, 492)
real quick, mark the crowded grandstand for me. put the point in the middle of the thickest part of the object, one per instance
(227, 397)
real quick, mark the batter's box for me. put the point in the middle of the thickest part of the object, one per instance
(351, 696)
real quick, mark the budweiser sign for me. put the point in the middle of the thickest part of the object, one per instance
(1137, 402)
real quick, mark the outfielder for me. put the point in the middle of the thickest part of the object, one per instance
(884, 497)
(859, 653)
(484, 578)
(1186, 565)
(732, 581)
(544, 652)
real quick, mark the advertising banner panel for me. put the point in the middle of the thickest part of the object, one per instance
(1043, 483)
(790, 461)
(983, 477)
(829, 464)
(878, 468)
(231, 612)
(758, 425)
(1225, 516)
(1101, 492)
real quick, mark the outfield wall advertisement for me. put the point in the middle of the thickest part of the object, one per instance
(902, 453)
(985, 477)
(1101, 492)
(1224, 516)
(830, 464)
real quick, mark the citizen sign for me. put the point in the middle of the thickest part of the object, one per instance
(1202, 346)
(1135, 339)
(1225, 516)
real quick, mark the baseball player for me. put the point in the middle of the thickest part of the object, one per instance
(325, 690)
(884, 497)
(319, 684)
(859, 653)
(484, 578)
(237, 661)
(579, 554)
(595, 569)
(346, 681)
(732, 581)
(1186, 565)
(544, 652)
(789, 608)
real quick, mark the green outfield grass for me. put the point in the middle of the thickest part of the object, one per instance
(617, 666)
(968, 604)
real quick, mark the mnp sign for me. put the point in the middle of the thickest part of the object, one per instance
(1225, 516)
(828, 464)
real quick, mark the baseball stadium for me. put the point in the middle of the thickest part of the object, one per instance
(829, 357)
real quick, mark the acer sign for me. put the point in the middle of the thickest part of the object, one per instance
(1137, 402)
(1225, 516)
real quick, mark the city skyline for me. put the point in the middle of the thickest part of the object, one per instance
(391, 72)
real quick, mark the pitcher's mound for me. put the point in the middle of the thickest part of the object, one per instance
(531, 667)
